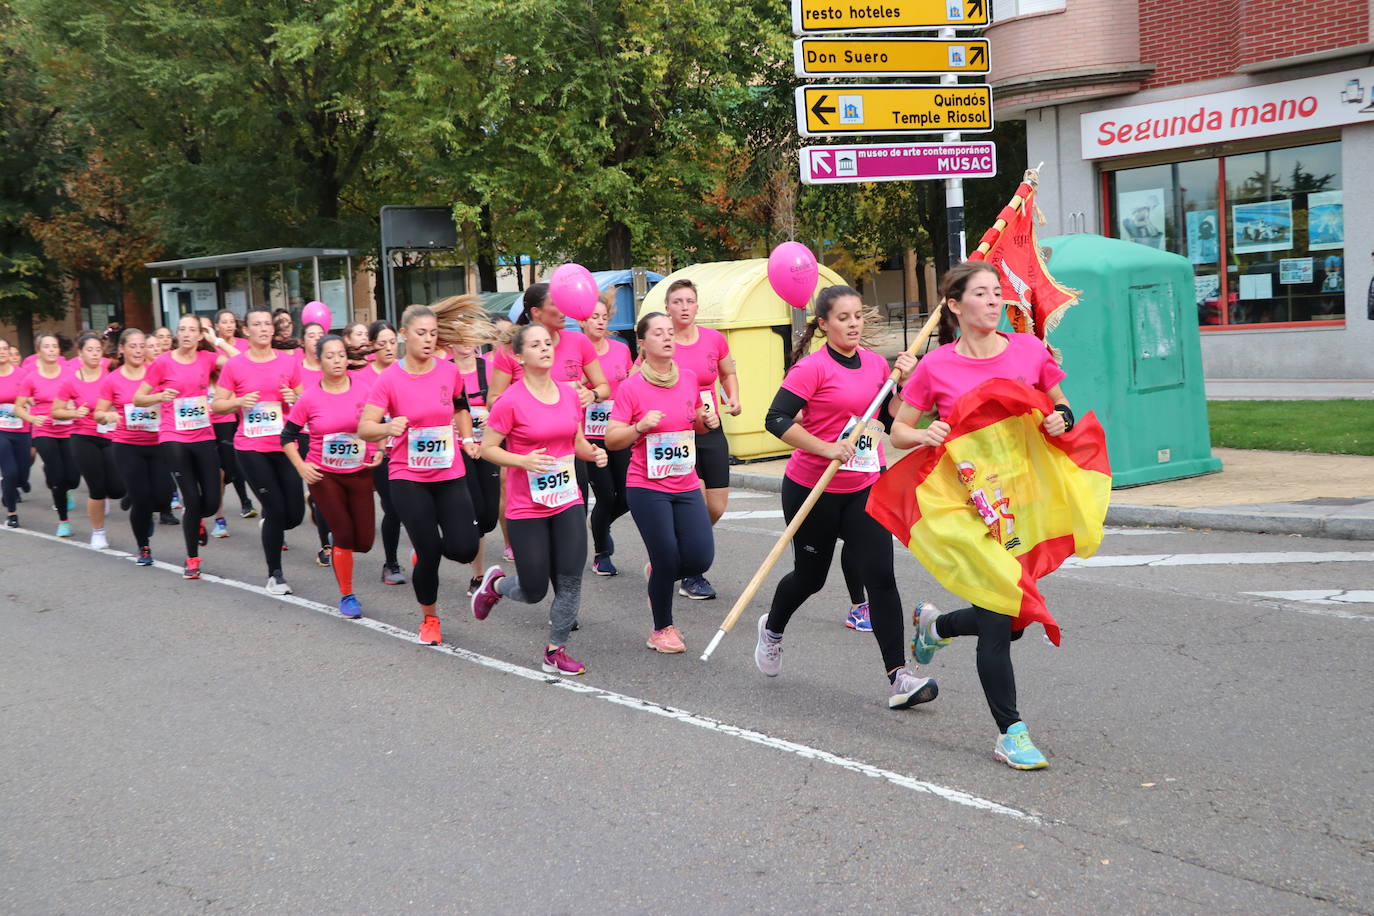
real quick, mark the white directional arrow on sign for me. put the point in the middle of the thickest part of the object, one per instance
(820, 162)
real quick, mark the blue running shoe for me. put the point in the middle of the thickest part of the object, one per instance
(923, 647)
(145, 557)
(350, 608)
(696, 588)
(64, 529)
(176, 499)
(603, 566)
(221, 529)
(1016, 750)
(858, 619)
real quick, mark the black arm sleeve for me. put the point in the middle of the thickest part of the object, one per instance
(461, 403)
(782, 412)
(289, 433)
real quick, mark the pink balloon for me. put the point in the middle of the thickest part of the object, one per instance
(792, 272)
(573, 289)
(316, 313)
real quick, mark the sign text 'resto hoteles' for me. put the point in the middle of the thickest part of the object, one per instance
(809, 16)
(1331, 100)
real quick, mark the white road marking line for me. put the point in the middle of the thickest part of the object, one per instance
(901, 780)
(1137, 532)
(750, 494)
(748, 514)
(1220, 559)
(1321, 596)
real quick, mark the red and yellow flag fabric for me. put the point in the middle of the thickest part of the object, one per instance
(1000, 504)
(1035, 301)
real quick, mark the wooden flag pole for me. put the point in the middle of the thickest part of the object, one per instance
(768, 563)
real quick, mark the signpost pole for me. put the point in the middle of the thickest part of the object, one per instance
(954, 187)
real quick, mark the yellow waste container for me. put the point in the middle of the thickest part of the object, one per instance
(735, 298)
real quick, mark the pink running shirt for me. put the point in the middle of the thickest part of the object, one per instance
(679, 404)
(834, 395)
(119, 391)
(186, 418)
(9, 393)
(333, 423)
(85, 394)
(44, 391)
(261, 425)
(528, 423)
(703, 358)
(943, 375)
(571, 356)
(424, 453)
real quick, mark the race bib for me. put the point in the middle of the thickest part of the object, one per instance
(865, 458)
(430, 447)
(557, 487)
(670, 454)
(7, 418)
(191, 413)
(341, 452)
(479, 420)
(57, 422)
(708, 400)
(263, 419)
(104, 429)
(598, 416)
(142, 419)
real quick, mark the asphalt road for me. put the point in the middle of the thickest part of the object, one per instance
(181, 746)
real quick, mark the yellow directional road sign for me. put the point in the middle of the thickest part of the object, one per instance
(889, 56)
(877, 110)
(886, 15)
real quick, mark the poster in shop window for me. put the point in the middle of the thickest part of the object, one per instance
(1266, 226)
(1202, 236)
(1325, 221)
(1295, 270)
(1207, 291)
(1140, 215)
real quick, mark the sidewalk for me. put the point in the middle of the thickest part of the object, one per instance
(1265, 492)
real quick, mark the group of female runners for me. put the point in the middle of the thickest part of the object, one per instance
(453, 443)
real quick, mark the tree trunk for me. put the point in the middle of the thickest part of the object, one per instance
(486, 251)
(617, 245)
(23, 328)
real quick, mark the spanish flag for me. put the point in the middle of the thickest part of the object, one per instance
(1000, 504)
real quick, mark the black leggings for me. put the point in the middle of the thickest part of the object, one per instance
(15, 459)
(95, 458)
(195, 466)
(608, 484)
(993, 657)
(143, 469)
(549, 550)
(345, 500)
(484, 488)
(438, 517)
(676, 529)
(228, 461)
(391, 522)
(853, 578)
(280, 495)
(60, 473)
(840, 516)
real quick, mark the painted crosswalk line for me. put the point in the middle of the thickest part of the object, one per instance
(1327, 596)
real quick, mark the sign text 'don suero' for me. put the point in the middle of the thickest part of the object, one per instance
(835, 110)
(889, 56)
(810, 16)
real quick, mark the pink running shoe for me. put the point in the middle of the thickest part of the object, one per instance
(558, 661)
(486, 596)
(508, 554)
(667, 640)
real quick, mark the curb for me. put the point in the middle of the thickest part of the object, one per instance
(1215, 519)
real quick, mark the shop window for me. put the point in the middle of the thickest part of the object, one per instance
(1274, 254)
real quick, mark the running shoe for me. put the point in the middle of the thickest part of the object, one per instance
(192, 570)
(248, 511)
(64, 529)
(1016, 750)
(667, 640)
(391, 574)
(696, 588)
(923, 645)
(558, 661)
(508, 554)
(323, 557)
(429, 631)
(145, 556)
(204, 535)
(908, 690)
(486, 596)
(11, 521)
(176, 500)
(276, 584)
(167, 518)
(858, 619)
(99, 541)
(603, 566)
(349, 607)
(221, 529)
(768, 650)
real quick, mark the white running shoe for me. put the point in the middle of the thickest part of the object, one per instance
(98, 540)
(768, 651)
(276, 585)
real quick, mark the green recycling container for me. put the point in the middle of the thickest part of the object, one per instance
(1133, 355)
